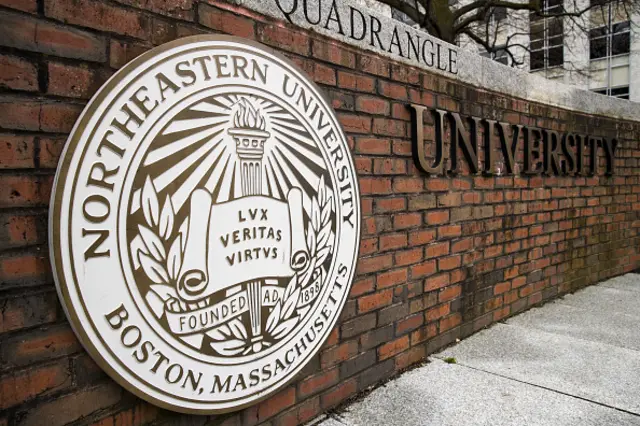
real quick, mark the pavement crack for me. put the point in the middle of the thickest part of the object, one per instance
(602, 404)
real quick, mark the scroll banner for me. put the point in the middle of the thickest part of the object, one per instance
(243, 240)
(204, 319)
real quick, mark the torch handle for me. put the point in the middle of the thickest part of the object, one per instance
(251, 172)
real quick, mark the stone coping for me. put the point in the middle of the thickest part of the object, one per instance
(345, 20)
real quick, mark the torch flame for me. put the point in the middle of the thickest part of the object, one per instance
(248, 117)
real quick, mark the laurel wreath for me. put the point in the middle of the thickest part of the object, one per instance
(160, 255)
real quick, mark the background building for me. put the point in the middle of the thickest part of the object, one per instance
(597, 50)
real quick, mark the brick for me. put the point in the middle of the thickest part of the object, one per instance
(74, 81)
(368, 246)
(391, 278)
(19, 114)
(26, 114)
(362, 286)
(323, 74)
(355, 123)
(437, 217)
(409, 323)
(375, 186)
(25, 190)
(284, 38)
(18, 74)
(29, 6)
(385, 205)
(372, 105)
(405, 74)
(437, 312)
(392, 241)
(374, 264)
(422, 202)
(449, 231)
(449, 293)
(374, 65)
(122, 52)
(401, 111)
(407, 185)
(448, 263)
(450, 322)
(417, 238)
(22, 230)
(423, 269)
(462, 245)
(180, 9)
(438, 249)
(42, 344)
(341, 100)
(410, 357)
(333, 52)
(28, 311)
(359, 325)
(308, 410)
(460, 214)
(393, 348)
(338, 394)
(17, 151)
(318, 383)
(19, 387)
(373, 146)
(71, 407)
(99, 16)
(163, 31)
(437, 281)
(142, 413)
(355, 82)
(501, 288)
(50, 151)
(357, 364)
(24, 268)
(406, 220)
(393, 90)
(58, 117)
(375, 301)
(337, 354)
(25, 32)
(408, 257)
(389, 127)
(376, 374)
(423, 334)
(376, 337)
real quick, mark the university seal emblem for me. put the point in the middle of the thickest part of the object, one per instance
(205, 224)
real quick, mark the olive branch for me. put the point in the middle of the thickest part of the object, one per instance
(154, 249)
(319, 239)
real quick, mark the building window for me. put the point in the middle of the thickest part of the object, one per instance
(610, 40)
(609, 47)
(499, 55)
(616, 92)
(546, 36)
(496, 15)
(499, 13)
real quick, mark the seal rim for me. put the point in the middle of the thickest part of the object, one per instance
(55, 206)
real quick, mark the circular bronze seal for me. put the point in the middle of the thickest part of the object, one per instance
(205, 224)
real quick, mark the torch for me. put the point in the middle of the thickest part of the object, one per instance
(249, 133)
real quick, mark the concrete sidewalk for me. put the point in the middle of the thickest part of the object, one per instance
(575, 361)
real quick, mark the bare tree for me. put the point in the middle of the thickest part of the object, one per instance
(520, 24)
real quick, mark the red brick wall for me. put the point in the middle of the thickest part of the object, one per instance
(441, 257)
